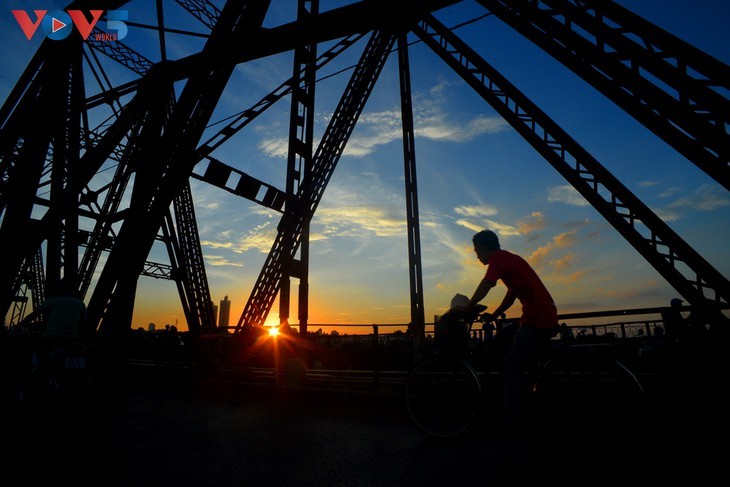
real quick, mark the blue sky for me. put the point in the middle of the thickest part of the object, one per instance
(474, 172)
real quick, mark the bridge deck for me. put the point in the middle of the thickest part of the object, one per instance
(185, 429)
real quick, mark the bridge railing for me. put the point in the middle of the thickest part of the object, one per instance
(382, 346)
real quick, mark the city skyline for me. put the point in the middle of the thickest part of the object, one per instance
(224, 312)
(474, 172)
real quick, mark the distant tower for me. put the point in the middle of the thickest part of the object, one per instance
(215, 312)
(225, 313)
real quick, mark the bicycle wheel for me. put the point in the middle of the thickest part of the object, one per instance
(600, 392)
(443, 396)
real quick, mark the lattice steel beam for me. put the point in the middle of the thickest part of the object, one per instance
(157, 270)
(673, 88)
(415, 273)
(103, 234)
(31, 278)
(202, 10)
(195, 281)
(237, 182)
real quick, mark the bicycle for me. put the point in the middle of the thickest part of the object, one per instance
(446, 392)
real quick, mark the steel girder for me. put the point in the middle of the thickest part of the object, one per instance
(31, 278)
(415, 275)
(190, 266)
(180, 234)
(203, 10)
(623, 56)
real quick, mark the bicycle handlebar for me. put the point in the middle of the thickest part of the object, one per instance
(474, 315)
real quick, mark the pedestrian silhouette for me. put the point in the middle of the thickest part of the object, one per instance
(675, 325)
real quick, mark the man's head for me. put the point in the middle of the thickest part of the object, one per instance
(485, 242)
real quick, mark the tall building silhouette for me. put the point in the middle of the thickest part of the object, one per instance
(224, 313)
(215, 312)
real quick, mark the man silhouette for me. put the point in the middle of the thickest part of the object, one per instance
(538, 324)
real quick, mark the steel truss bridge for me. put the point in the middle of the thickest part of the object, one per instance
(67, 120)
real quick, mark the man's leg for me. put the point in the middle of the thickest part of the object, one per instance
(520, 357)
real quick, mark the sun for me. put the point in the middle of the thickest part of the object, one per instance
(273, 331)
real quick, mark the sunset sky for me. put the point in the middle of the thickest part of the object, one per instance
(474, 172)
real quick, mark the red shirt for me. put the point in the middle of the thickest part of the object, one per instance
(538, 307)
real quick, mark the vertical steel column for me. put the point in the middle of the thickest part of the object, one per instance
(415, 275)
(62, 251)
(301, 135)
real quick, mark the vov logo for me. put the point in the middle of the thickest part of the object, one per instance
(58, 24)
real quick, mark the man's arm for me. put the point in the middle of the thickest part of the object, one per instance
(507, 302)
(480, 293)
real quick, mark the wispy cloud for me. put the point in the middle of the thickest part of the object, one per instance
(276, 147)
(566, 194)
(574, 277)
(260, 238)
(564, 240)
(648, 184)
(440, 128)
(431, 121)
(476, 211)
(529, 225)
(705, 198)
(219, 260)
(478, 217)
(356, 220)
(669, 192)
(564, 262)
(216, 245)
